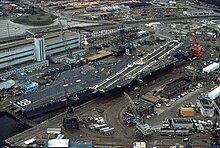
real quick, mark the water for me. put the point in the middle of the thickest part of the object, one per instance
(9, 127)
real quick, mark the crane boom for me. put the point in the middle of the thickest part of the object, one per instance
(133, 106)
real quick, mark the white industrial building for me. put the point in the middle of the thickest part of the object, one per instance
(199, 13)
(182, 124)
(36, 52)
(206, 107)
(211, 68)
(58, 143)
(214, 93)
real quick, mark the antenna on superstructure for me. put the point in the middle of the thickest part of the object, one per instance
(65, 85)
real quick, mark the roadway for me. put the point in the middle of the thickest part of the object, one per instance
(127, 74)
(170, 112)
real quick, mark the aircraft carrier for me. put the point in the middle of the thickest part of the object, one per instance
(86, 82)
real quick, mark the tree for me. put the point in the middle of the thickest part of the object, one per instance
(213, 2)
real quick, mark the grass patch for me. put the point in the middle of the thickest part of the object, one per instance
(40, 18)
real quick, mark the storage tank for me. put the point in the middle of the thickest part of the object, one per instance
(187, 111)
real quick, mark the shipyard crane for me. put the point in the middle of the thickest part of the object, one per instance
(133, 106)
(131, 119)
(69, 60)
(143, 129)
(197, 50)
(62, 34)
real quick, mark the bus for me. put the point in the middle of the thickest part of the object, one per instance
(108, 131)
(99, 126)
(102, 129)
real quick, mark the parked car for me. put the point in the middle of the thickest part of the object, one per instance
(136, 88)
(158, 105)
(173, 100)
(155, 112)
(152, 114)
(137, 96)
(168, 104)
(148, 116)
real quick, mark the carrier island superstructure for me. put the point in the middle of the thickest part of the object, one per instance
(84, 83)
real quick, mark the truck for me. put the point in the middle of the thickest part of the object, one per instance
(141, 33)
(130, 119)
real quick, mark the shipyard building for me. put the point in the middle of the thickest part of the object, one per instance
(206, 107)
(182, 123)
(199, 13)
(175, 88)
(37, 52)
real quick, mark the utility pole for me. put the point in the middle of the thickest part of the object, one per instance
(8, 30)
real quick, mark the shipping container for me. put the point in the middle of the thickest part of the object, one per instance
(187, 112)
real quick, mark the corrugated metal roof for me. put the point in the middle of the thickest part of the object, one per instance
(58, 143)
(150, 98)
(101, 54)
(30, 42)
(7, 84)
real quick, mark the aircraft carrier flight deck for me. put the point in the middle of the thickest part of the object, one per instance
(86, 82)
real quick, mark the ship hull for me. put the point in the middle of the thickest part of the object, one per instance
(71, 101)
(83, 96)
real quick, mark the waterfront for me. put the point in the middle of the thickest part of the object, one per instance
(9, 127)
